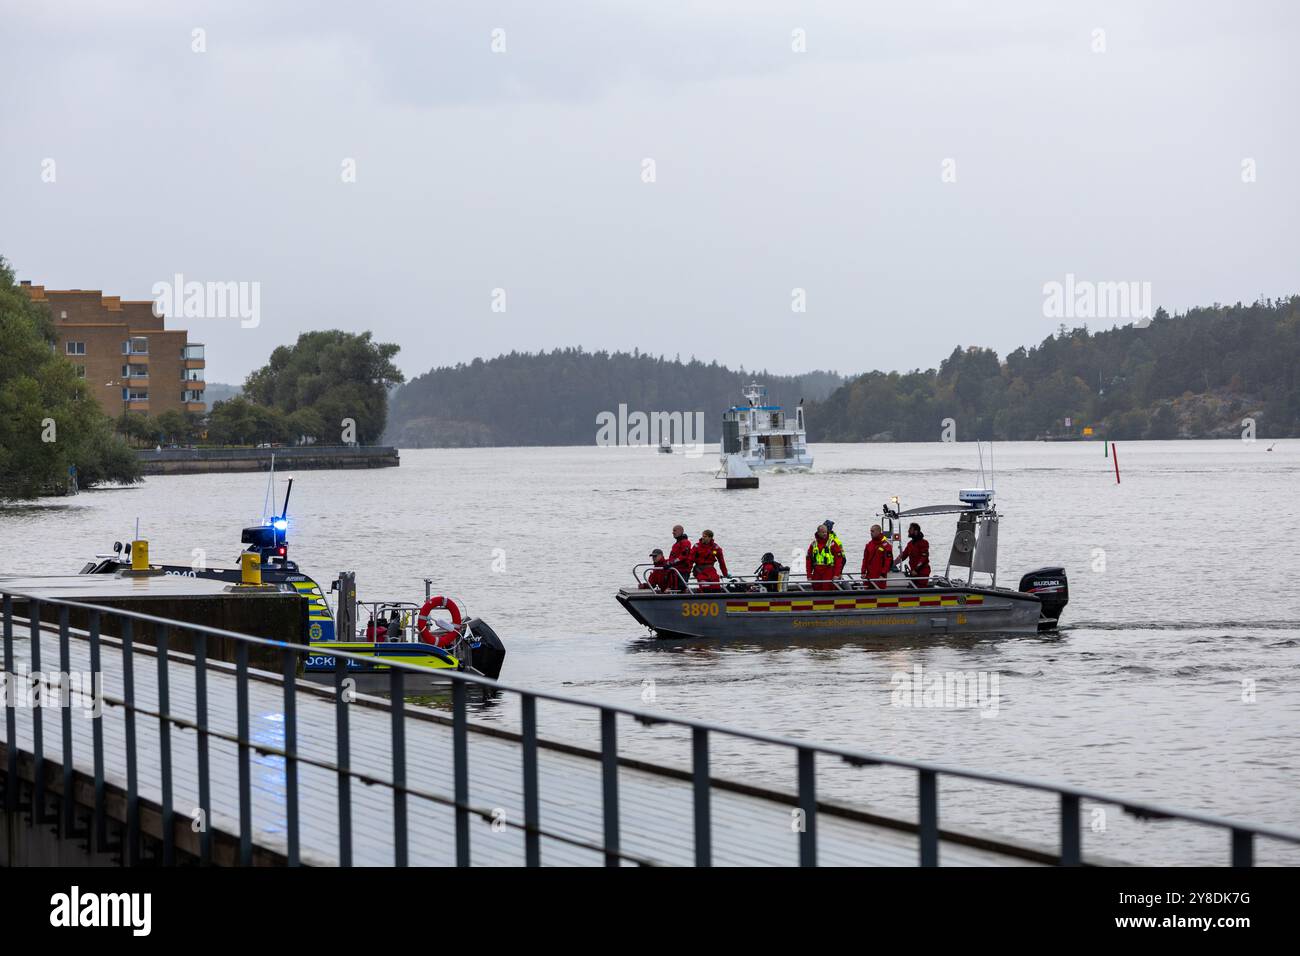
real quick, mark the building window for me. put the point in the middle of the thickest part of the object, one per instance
(81, 371)
(135, 394)
(135, 371)
(74, 348)
(192, 352)
(63, 314)
(136, 346)
(189, 396)
(194, 375)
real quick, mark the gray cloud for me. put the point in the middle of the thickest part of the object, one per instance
(775, 170)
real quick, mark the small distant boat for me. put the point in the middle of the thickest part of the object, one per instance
(762, 436)
(665, 447)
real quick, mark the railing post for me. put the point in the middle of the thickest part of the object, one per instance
(343, 760)
(397, 743)
(1071, 831)
(165, 745)
(65, 705)
(11, 715)
(460, 768)
(928, 785)
(38, 723)
(291, 753)
(808, 807)
(97, 735)
(609, 781)
(532, 822)
(703, 817)
(245, 781)
(131, 851)
(201, 720)
(1243, 848)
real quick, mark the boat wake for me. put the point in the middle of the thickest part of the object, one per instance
(1185, 626)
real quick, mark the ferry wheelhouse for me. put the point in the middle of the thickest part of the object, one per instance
(762, 435)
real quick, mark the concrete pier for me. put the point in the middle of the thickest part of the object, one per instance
(191, 461)
(268, 613)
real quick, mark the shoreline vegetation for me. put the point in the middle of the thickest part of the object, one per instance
(54, 437)
(1213, 372)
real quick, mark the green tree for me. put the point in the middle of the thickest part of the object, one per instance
(49, 424)
(237, 421)
(337, 375)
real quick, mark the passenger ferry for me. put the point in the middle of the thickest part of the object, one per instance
(762, 436)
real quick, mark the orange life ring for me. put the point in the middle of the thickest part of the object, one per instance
(427, 634)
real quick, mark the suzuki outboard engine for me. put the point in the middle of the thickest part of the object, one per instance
(486, 652)
(1052, 588)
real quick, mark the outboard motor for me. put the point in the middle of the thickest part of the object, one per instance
(486, 652)
(1052, 588)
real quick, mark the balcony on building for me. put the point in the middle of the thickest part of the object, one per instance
(193, 356)
(135, 375)
(192, 399)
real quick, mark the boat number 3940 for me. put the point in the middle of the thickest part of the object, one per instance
(700, 609)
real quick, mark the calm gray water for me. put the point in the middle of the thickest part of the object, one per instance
(1182, 599)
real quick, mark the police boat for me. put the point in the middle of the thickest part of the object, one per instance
(459, 643)
(790, 606)
(385, 631)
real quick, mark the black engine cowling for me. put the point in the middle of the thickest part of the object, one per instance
(487, 653)
(1052, 588)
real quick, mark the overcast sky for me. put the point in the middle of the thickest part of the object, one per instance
(774, 169)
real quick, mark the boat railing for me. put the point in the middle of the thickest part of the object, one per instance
(376, 612)
(788, 581)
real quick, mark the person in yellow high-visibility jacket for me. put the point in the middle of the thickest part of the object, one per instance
(824, 560)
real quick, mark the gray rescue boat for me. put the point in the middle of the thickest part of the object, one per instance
(746, 608)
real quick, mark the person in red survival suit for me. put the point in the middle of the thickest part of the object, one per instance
(917, 556)
(824, 560)
(703, 555)
(662, 577)
(769, 573)
(679, 559)
(877, 559)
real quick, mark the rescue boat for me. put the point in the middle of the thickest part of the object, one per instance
(419, 636)
(745, 607)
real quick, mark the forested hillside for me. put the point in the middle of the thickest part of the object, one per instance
(1195, 375)
(553, 398)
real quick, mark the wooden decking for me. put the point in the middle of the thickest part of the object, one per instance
(656, 809)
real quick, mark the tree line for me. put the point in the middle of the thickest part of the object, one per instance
(554, 398)
(329, 387)
(51, 431)
(1195, 375)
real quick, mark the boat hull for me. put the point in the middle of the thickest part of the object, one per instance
(793, 614)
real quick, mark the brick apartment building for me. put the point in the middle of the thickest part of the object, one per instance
(129, 361)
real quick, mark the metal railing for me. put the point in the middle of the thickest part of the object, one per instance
(1242, 835)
